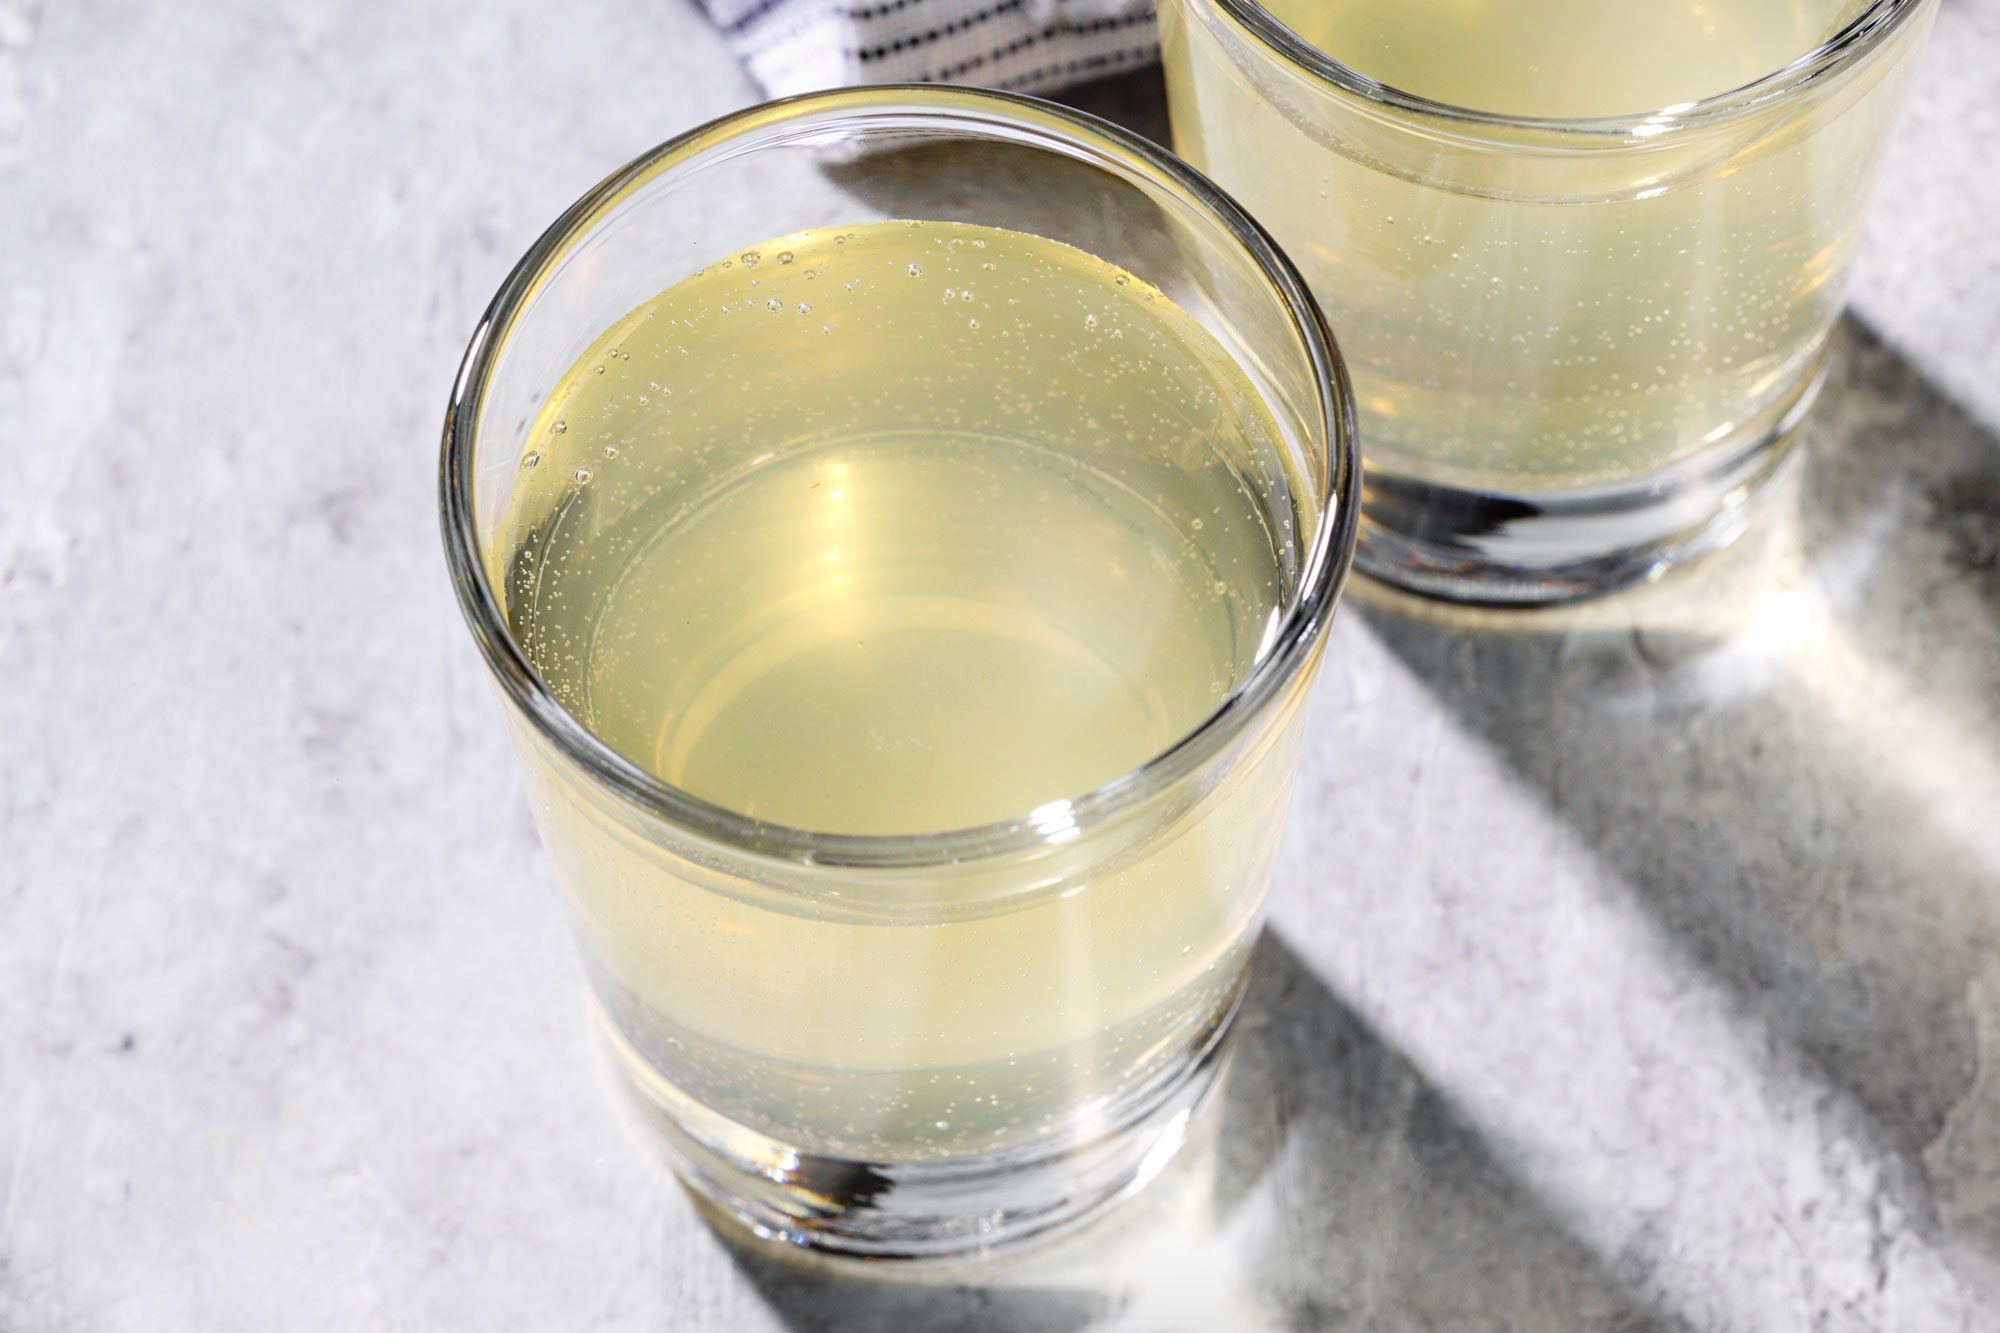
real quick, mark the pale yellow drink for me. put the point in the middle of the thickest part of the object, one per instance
(899, 529)
(1565, 58)
(1532, 309)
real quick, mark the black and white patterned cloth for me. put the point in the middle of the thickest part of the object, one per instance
(795, 46)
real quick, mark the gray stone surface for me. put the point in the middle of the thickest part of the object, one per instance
(1632, 967)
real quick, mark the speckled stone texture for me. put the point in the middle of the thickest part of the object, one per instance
(1632, 967)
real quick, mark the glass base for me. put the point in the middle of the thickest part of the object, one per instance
(926, 1210)
(1500, 549)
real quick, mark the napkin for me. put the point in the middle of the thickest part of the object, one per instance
(795, 46)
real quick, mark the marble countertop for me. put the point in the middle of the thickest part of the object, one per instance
(1632, 967)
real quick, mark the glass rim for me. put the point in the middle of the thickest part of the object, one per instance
(1859, 36)
(1049, 127)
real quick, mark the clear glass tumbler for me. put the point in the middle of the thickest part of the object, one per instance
(1579, 347)
(924, 1043)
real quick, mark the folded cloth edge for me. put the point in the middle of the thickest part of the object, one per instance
(795, 46)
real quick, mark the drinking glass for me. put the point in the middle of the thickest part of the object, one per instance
(1580, 348)
(909, 1045)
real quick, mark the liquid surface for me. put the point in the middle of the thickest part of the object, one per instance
(1566, 58)
(890, 529)
(895, 529)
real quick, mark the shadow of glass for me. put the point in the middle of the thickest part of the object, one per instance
(1329, 1187)
(1002, 185)
(1137, 100)
(1791, 754)
(839, 1296)
(1380, 1206)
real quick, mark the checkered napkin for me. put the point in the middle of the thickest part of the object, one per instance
(795, 46)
